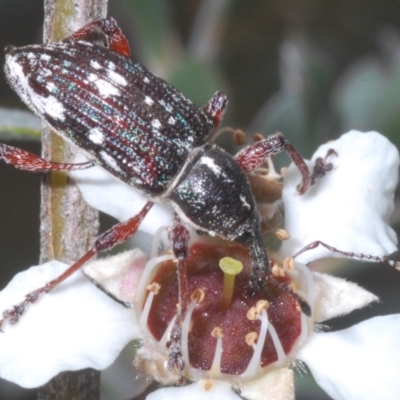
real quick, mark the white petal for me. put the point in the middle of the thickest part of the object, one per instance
(335, 297)
(113, 197)
(196, 391)
(361, 362)
(74, 326)
(119, 274)
(275, 385)
(349, 208)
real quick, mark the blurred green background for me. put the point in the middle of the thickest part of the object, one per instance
(310, 69)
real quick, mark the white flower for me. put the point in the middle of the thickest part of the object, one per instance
(77, 326)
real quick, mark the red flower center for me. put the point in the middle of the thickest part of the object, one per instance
(237, 335)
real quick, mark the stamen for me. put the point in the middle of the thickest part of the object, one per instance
(146, 310)
(154, 287)
(282, 234)
(303, 275)
(257, 137)
(251, 338)
(288, 264)
(239, 137)
(207, 385)
(252, 314)
(230, 267)
(275, 338)
(166, 337)
(277, 271)
(261, 304)
(146, 278)
(198, 295)
(255, 362)
(215, 369)
(217, 332)
(185, 331)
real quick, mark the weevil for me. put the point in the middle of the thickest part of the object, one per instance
(149, 135)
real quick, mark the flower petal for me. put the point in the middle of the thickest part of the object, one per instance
(361, 362)
(210, 390)
(108, 194)
(74, 326)
(350, 207)
(275, 385)
(119, 274)
(336, 296)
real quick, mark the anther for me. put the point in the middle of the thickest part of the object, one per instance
(154, 287)
(282, 234)
(217, 332)
(207, 386)
(288, 264)
(261, 304)
(239, 137)
(277, 271)
(251, 338)
(258, 137)
(198, 295)
(252, 314)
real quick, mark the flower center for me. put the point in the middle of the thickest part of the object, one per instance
(226, 334)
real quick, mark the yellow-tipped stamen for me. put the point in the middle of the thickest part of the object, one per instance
(154, 287)
(252, 314)
(217, 332)
(262, 304)
(207, 385)
(198, 295)
(251, 338)
(282, 234)
(288, 264)
(258, 137)
(230, 267)
(277, 271)
(239, 137)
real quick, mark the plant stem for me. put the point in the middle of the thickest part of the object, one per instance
(68, 226)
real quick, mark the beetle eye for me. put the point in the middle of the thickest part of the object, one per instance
(225, 333)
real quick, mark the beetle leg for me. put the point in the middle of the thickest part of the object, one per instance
(254, 155)
(22, 159)
(216, 107)
(179, 237)
(321, 166)
(119, 233)
(116, 40)
(350, 254)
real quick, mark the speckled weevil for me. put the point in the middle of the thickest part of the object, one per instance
(146, 133)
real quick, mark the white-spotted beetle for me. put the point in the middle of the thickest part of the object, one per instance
(146, 133)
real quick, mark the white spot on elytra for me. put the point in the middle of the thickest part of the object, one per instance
(51, 107)
(110, 161)
(171, 120)
(210, 164)
(50, 86)
(94, 64)
(244, 202)
(45, 57)
(148, 100)
(96, 136)
(155, 123)
(105, 88)
(146, 79)
(117, 78)
(111, 65)
(42, 105)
